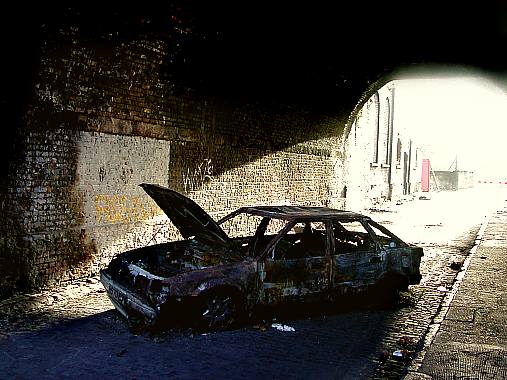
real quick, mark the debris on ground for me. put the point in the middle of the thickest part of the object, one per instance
(384, 355)
(433, 225)
(407, 299)
(72, 300)
(456, 265)
(398, 355)
(402, 355)
(405, 341)
(281, 327)
(121, 353)
(261, 327)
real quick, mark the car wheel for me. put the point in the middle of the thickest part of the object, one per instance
(386, 291)
(219, 310)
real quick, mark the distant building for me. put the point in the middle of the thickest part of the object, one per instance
(381, 158)
(445, 180)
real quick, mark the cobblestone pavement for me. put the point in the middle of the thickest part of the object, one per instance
(471, 338)
(447, 234)
(73, 331)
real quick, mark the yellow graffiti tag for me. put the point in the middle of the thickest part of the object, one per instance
(123, 209)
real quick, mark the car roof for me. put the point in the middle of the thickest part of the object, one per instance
(300, 212)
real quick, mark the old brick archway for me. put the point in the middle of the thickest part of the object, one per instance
(233, 110)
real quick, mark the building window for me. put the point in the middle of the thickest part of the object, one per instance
(376, 101)
(398, 151)
(388, 130)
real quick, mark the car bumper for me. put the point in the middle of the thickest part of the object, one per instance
(127, 302)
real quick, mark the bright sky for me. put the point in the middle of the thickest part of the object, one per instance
(466, 117)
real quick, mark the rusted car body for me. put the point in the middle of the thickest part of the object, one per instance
(270, 255)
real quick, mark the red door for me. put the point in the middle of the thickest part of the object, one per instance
(425, 177)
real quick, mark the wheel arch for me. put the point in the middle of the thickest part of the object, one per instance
(218, 285)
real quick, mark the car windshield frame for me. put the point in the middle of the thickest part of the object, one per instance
(400, 243)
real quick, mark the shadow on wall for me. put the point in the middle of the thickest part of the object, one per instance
(30, 261)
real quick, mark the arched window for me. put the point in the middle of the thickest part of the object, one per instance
(398, 151)
(376, 104)
(388, 130)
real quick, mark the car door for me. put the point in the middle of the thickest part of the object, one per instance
(400, 258)
(297, 265)
(357, 259)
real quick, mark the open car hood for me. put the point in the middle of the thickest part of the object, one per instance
(190, 219)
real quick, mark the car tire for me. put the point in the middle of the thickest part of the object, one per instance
(386, 292)
(219, 310)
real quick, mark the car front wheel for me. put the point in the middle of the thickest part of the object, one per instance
(219, 310)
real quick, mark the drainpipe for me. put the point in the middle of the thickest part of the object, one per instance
(390, 121)
(409, 191)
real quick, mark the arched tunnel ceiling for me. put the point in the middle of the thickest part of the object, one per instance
(323, 54)
(329, 54)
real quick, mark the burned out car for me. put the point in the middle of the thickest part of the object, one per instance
(270, 255)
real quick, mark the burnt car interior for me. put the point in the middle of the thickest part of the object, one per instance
(308, 239)
(302, 239)
(351, 236)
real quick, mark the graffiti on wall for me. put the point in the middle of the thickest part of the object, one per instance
(123, 209)
(202, 173)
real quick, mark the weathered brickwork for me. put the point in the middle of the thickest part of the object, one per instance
(105, 118)
(43, 224)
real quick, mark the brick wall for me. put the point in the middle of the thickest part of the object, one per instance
(104, 118)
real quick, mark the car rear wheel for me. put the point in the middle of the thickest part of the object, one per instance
(386, 292)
